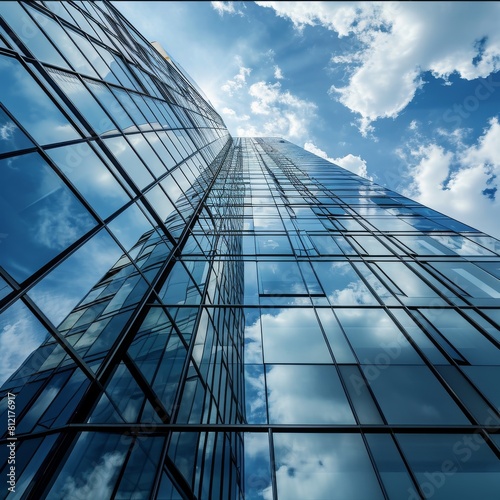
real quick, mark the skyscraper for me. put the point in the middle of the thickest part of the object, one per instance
(189, 315)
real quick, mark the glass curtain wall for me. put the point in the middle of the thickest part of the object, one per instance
(188, 315)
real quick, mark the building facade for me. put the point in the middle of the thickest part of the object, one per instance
(184, 314)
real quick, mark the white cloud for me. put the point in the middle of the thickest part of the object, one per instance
(282, 113)
(350, 162)
(238, 81)
(231, 113)
(225, 8)
(278, 74)
(460, 183)
(398, 41)
(354, 164)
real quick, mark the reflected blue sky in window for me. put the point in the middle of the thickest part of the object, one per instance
(20, 335)
(31, 106)
(45, 217)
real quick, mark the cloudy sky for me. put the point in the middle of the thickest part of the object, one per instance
(405, 93)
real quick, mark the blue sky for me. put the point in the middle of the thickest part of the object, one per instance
(405, 93)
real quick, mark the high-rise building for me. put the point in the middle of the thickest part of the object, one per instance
(185, 314)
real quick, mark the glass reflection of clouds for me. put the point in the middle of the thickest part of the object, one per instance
(31, 106)
(257, 466)
(306, 394)
(375, 338)
(255, 394)
(342, 285)
(20, 335)
(59, 292)
(90, 176)
(45, 216)
(293, 336)
(12, 137)
(322, 466)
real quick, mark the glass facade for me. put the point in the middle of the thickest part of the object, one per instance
(187, 315)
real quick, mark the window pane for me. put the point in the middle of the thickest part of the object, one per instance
(342, 285)
(451, 466)
(255, 394)
(45, 216)
(61, 290)
(280, 278)
(92, 468)
(306, 394)
(20, 335)
(30, 34)
(129, 161)
(12, 137)
(397, 481)
(318, 466)
(84, 101)
(90, 176)
(273, 245)
(375, 338)
(257, 466)
(463, 336)
(486, 380)
(293, 336)
(31, 106)
(412, 395)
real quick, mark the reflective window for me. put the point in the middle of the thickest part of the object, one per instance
(280, 278)
(90, 176)
(340, 346)
(360, 395)
(485, 378)
(451, 466)
(257, 466)
(20, 335)
(31, 106)
(102, 93)
(412, 395)
(273, 245)
(145, 151)
(293, 336)
(470, 343)
(12, 137)
(59, 292)
(92, 467)
(30, 33)
(394, 475)
(473, 280)
(84, 101)
(375, 338)
(255, 394)
(341, 284)
(45, 217)
(306, 394)
(70, 51)
(140, 471)
(315, 465)
(129, 161)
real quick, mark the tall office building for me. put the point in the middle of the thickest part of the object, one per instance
(185, 314)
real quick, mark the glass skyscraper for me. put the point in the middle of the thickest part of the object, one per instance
(188, 315)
